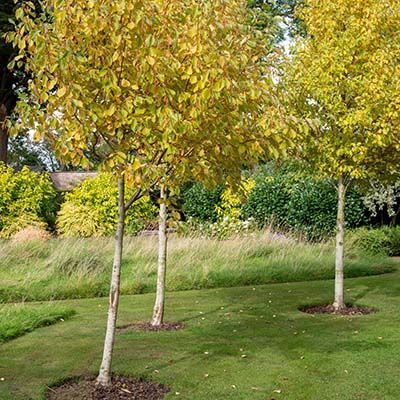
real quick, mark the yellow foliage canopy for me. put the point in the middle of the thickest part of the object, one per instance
(343, 82)
(150, 87)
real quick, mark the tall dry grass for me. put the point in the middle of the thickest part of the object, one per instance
(76, 268)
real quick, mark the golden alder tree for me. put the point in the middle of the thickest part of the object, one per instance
(156, 90)
(341, 89)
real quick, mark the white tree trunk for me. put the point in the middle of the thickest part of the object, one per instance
(158, 311)
(338, 304)
(104, 377)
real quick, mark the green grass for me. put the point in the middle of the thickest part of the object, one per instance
(18, 319)
(305, 357)
(80, 268)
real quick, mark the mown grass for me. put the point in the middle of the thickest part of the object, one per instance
(18, 319)
(289, 355)
(80, 268)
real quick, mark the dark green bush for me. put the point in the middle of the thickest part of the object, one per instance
(201, 203)
(268, 201)
(313, 206)
(290, 198)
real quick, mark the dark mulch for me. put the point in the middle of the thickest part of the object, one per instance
(329, 309)
(121, 389)
(147, 327)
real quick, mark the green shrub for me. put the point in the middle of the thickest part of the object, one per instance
(201, 203)
(312, 208)
(268, 200)
(13, 225)
(290, 198)
(381, 241)
(91, 209)
(80, 220)
(24, 196)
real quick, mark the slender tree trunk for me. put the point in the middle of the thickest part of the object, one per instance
(3, 134)
(8, 99)
(158, 311)
(104, 377)
(338, 304)
(3, 145)
(393, 220)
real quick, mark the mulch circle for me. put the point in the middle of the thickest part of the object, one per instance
(147, 327)
(122, 388)
(329, 309)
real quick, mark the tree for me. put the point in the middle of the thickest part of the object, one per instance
(7, 79)
(269, 17)
(23, 151)
(166, 89)
(12, 80)
(342, 82)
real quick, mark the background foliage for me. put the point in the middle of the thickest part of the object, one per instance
(286, 196)
(26, 198)
(201, 203)
(91, 209)
(381, 241)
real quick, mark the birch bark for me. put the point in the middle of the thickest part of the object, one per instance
(104, 377)
(158, 311)
(338, 304)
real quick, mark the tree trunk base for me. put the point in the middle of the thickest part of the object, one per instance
(147, 327)
(329, 309)
(103, 381)
(338, 307)
(121, 388)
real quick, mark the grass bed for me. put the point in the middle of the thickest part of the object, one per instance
(80, 268)
(18, 319)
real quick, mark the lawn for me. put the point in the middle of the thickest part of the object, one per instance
(81, 268)
(239, 343)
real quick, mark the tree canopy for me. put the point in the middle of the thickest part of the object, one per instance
(168, 79)
(344, 80)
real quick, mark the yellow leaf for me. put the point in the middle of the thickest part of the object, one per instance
(151, 60)
(140, 111)
(61, 92)
(51, 84)
(136, 165)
